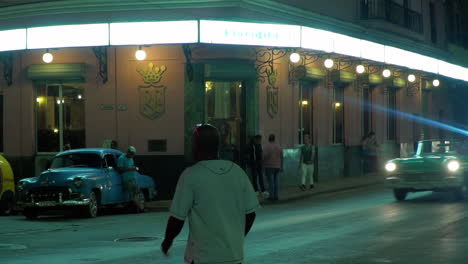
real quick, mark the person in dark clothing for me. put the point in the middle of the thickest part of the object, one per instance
(256, 164)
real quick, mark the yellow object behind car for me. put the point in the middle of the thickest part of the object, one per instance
(7, 187)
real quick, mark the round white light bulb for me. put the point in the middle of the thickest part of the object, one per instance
(390, 166)
(47, 57)
(140, 55)
(295, 57)
(386, 73)
(329, 63)
(411, 78)
(453, 165)
(436, 83)
(360, 69)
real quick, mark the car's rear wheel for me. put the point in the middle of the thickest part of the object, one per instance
(137, 205)
(91, 210)
(459, 193)
(30, 213)
(400, 194)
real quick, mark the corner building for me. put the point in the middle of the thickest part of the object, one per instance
(228, 63)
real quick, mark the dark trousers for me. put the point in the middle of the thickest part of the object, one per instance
(273, 181)
(257, 175)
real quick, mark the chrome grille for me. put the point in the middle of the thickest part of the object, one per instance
(43, 194)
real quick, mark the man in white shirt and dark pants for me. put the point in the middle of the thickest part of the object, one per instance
(217, 198)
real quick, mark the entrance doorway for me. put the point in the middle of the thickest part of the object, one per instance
(60, 117)
(225, 109)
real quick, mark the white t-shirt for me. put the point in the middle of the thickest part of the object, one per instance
(215, 195)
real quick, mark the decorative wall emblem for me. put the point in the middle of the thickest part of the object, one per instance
(152, 96)
(272, 93)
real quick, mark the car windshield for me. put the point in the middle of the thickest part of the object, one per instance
(442, 146)
(84, 160)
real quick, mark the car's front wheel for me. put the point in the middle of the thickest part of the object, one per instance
(400, 194)
(30, 213)
(7, 208)
(91, 210)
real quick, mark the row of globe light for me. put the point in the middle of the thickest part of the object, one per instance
(360, 69)
(140, 55)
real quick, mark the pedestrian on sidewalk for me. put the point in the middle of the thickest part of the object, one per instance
(306, 163)
(256, 165)
(273, 163)
(369, 152)
(218, 200)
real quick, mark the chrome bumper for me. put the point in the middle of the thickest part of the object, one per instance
(54, 203)
(443, 183)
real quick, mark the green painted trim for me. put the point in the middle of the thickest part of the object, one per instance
(59, 71)
(399, 82)
(229, 71)
(194, 106)
(343, 76)
(375, 79)
(314, 73)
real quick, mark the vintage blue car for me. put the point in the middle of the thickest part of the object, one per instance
(86, 179)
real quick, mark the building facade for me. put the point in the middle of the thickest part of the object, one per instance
(240, 80)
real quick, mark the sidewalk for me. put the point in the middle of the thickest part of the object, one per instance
(294, 192)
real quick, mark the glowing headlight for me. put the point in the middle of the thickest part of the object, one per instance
(390, 166)
(453, 165)
(78, 182)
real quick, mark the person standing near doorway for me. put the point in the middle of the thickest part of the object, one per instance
(306, 163)
(256, 165)
(273, 163)
(217, 199)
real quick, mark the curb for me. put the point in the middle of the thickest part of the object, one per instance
(294, 197)
(300, 196)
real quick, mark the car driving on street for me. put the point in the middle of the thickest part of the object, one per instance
(438, 165)
(85, 179)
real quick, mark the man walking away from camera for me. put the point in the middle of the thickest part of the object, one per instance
(217, 198)
(273, 162)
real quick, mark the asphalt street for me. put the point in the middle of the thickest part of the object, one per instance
(361, 226)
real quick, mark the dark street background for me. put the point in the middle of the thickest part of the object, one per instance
(360, 226)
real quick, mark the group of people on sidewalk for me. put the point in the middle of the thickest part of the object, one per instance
(270, 159)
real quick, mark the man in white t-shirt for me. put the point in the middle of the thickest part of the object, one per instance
(217, 198)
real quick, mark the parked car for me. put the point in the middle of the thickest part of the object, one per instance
(7, 187)
(438, 165)
(82, 178)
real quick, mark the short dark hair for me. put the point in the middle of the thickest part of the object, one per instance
(271, 138)
(258, 136)
(206, 138)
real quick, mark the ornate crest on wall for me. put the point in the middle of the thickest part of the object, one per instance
(272, 93)
(152, 96)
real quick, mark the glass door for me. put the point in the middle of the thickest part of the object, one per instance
(225, 109)
(60, 117)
